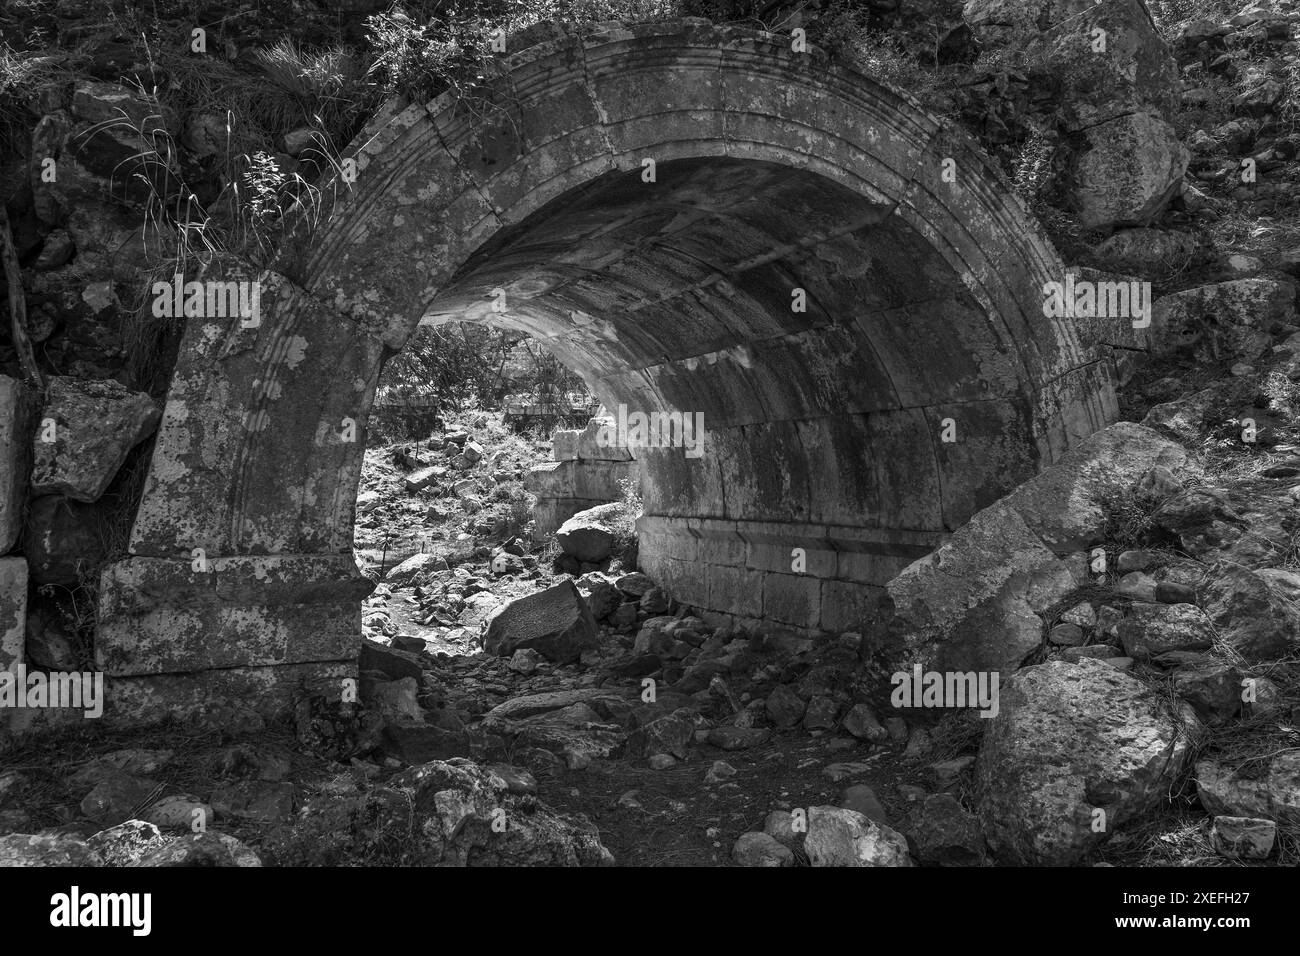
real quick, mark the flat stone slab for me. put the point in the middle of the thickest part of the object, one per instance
(160, 616)
(204, 698)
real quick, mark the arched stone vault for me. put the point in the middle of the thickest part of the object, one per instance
(774, 171)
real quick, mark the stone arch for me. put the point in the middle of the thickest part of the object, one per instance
(775, 171)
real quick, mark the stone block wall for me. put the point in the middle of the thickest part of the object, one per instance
(808, 577)
(583, 475)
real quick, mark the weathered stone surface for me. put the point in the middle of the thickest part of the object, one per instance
(839, 837)
(862, 799)
(947, 835)
(584, 444)
(1243, 838)
(821, 714)
(179, 812)
(95, 425)
(417, 744)
(260, 801)
(64, 540)
(1235, 319)
(737, 738)
(1136, 69)
(452, 805)
(417, 564)
(1213, 689)
(15, 457)
(1250, 613)
(48, 645)
(1071, 739)
(99, 102)
(126, 843)
(45, 849)
(1150, 630)
(1270, 791)
(1147, 250)
(1066, 505)
(592, 480)
(423, 478)
(861, 722)
(556, 623)
(760, 849)
(202, 849)
(1250, 527)
(664, 735)
(158, 616)
(114, 797)
(13, 611)
(589, 535)
(974, 603)
(1132, 167)
(530, 705)
(1118, 97)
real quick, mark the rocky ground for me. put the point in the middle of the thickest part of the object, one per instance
(589, 716)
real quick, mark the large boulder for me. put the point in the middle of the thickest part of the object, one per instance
(1270, 790)
(589, 535)
(556, 623)
(973, 604)
(1131, 168)
(947, 835)
(1223, 320)
(413, 567)
(1071, 740)
(1251, 612)
(840, 837)
(1253, 527)
(1116, 86)
(1135, 70)
(94, 425)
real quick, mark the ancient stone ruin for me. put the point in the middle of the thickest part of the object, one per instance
(889, 428)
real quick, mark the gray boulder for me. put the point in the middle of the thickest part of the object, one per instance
(556, 623)
(1076, 751)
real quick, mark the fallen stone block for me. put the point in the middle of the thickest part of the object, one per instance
(556, 623)
(93, 425)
